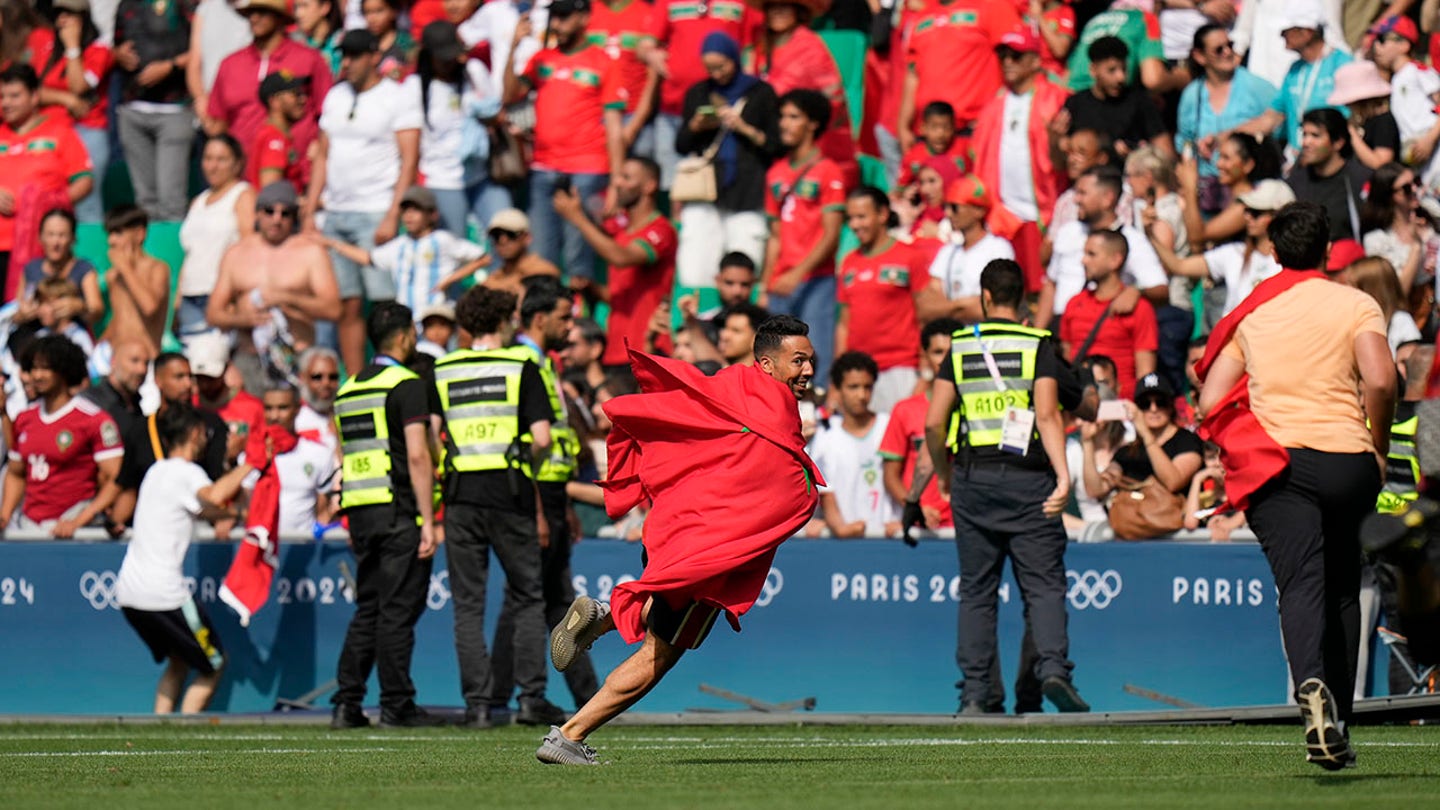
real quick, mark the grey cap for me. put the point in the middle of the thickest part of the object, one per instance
(421, 197)
(280, 192)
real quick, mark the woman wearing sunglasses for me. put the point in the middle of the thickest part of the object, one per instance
(1394, 227)
(1161, 448)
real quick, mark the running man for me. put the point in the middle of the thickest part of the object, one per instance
(685, 438)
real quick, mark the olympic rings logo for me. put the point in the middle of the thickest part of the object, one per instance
(439, 595)
(98, 588)
(1093, 588)
(774, 584)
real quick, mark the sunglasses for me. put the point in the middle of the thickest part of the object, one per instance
(1257, 212)
(952, 208)
(1409, 189)
(1151, 403)
(324, 378)
(1222, 49)
(278, 211)
(496, 234)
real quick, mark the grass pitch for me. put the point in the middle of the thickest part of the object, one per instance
(102, 767)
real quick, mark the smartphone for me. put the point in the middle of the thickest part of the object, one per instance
(563, 183)
(705, 110)
(1187, 151)
(1111, 411)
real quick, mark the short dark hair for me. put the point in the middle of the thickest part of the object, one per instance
(177, 423)
(482, 310)
(590, 331)
(124, 217)
(940, 326)
(59, 354)
(1107, 177)
(853, 361)
(938, 109)
(1114, 241)
(542, 293)
(62, 213)
(1202, 342)
(1094, 361)
(652, 169)
(753, 313)
(880, 200)
(1330, 120)
(21, 73)
(737, 259)
(1108, 48)
(1300, 233)
(229, 142)
(812, 104)
(282, 388)
(166, 358)
(1005, 282)
(773, 331)
(387, 320)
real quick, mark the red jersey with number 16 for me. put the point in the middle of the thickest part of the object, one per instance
(61, 452)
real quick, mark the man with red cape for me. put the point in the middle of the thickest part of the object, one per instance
(677, 445)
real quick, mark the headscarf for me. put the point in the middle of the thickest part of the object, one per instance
(718, 42)
(944, 166)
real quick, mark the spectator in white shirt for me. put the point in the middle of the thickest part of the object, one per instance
(1394, 228)
(307, 472)
(854, 502)
(319, 370)
(1258, 31)
(954, 290)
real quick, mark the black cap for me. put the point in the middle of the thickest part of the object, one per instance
(357, 41)
(279, 82)
(1153, 385)
(441, 40)
(564, 8)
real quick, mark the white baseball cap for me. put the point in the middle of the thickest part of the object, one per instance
(1268, 195)
(1302, 14)
(209, 354)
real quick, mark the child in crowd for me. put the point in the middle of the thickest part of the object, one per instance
(56, 298)
(423, 259)
(272, 155)
(937, 138)
(1207, 491)
(437, 329)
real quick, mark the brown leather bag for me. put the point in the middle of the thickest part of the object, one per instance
(1145, 511)
(506, 165)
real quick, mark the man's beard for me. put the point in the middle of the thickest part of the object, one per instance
(316, 403)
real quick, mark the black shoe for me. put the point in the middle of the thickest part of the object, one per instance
(540, 713)
(1029, 707)
(477, 719)
(348, 715)
(972, 708)
(1061, 692)
(501, 714)
(415, 718)
(1391, 535)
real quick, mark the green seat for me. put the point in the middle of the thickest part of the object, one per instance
(872, 172)
(162, 241)
(848, 48)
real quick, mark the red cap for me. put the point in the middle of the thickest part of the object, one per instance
(1397, 24)
(968, 190)
(1021, 40)
(1343, 253)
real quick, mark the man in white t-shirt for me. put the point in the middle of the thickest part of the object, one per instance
(1414, 91)
(319, 371)
(151, 587)
(307, 472)
(954, 290)
(1240, 265)
(367, 156)
(1097, 192)
(847, 450)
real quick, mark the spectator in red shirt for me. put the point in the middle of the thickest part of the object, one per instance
(273, 156)
(209, 356)
(1131, 340)
(902, 450)
(879, 283)
(74, 68)
(580, 100)
(951, 57)
(638, 247)
(1054, 22)
(43, 165)
(805, 200)
(678, 28)
(937, 139)
(620, 26)
(67, 451)
(235, 103)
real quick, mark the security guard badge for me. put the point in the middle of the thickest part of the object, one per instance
(1018, 428)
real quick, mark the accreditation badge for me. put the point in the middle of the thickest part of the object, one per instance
(1018, 428)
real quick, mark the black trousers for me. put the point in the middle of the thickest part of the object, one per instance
(470, 534)
(997, 511)
(1308, 522)
(391, 584)
(559, 592)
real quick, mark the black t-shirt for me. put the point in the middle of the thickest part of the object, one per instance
(1338, 193)
(1382, 131)
(1049, 364)
(503, 489)
(1131, 117)
(406, 404)
(124, 410)
(1134, 459)
(140, 450)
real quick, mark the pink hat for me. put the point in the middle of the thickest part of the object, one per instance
(1356, 81)
(1021, 40)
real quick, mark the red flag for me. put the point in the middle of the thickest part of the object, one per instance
(247, 585)
(723, 463)
(1250, 457)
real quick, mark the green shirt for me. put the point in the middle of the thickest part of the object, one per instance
(1139, 31)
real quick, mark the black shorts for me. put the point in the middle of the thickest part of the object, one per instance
(185, 633)
(685, 627)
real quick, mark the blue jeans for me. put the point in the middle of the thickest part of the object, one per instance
(482, 200)
(190, 316)
(890, 153)
(814, 303)
(555, 240)
(644, 145)
(97, 146)
(667, 127)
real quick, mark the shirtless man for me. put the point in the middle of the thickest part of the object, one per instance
(509, 234)
(139, 287)
(272, 273)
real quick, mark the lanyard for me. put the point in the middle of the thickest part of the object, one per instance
(989, 360)
(1310, 81)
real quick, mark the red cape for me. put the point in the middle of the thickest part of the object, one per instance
(247, 584)
(723, 464)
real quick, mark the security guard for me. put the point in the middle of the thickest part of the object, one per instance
(1402, 467)
(1008, 383)
(383, 417)
(497, 430)
(546, 318)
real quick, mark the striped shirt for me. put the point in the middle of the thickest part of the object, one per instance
(418, 265)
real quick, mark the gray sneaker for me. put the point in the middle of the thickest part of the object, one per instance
(557, 749)
(575, 633)
(1325, 743)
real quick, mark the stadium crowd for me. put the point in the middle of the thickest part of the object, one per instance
(687, 169)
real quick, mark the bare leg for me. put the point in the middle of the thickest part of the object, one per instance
(351, 332)
(625, 685)
(197, 697)
(172, 680)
